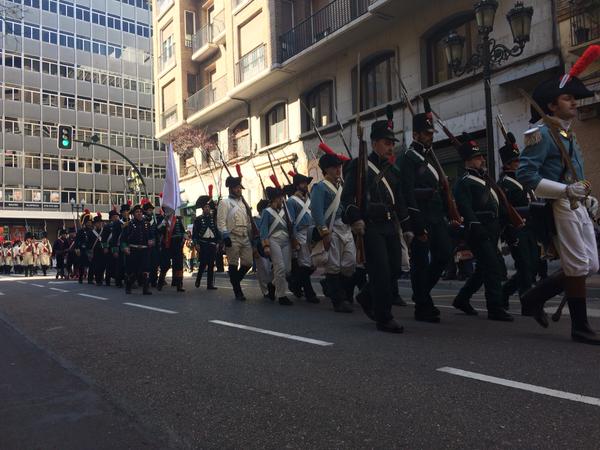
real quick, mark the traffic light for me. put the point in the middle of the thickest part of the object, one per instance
(65, 137)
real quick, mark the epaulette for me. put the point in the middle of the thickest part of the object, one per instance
(533, 136)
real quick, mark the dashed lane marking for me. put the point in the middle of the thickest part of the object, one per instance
(37, 285)
(273, 333)
(92, 296)
(58, 290)
(166, 311)
(522, 386)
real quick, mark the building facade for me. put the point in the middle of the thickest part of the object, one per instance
(88, 65)
(251, 75)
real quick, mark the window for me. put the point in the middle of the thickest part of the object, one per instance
(13, 194)
(68, 164)
(49, 36)
(275, 125)
(50, 163)
(12, 61)
(32, 97)
(240, 140)
(31, 32)
(98, 17)
(376, 77)
(49, 99)
(49, 68)
(32, 161)
(67, 71)
(12, 126)
(100, 107)
(49, 130)
(67, 101)
(190, 27)
(31, 128)
(33, 195)
(319, 102)
(437, 64)
(49, 5)
(51, 196)
(32, 64)
(12, 158)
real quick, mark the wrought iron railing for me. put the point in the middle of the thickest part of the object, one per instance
(207, 95)
(321, 24)
(250, 64)
(585, 21)
(208, 33)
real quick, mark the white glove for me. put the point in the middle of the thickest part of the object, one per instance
(358, 227)
(550, 189)
(408, 237)
(591, 204)
(578, 190)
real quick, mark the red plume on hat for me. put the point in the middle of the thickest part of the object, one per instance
(129, 202)
(144, 201)
(591, 54)
(210, 190)
(292, 174)
(238, 169)
(99, 214)
(160, 195)
(275, 181)
(327, 149)
(86, 211)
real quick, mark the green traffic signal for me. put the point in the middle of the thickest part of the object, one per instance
(65, 137)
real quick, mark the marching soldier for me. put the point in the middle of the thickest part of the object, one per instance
(336, 236)
(59, 251)
(8, 257)
(478, 204)
(110, 246)
(44, 250)
(96, 252)
(17, 258)
(125, 211)
(298, 206)
(523, 244)
(544, 169)
(276, 242)
(378, 224)
(83, 241)
(234, 225)
(431, 247)
(71, 255)
(206, 236)
(264, 274)
(27, 252)
(155, 256)
(172, 237)
(136, 238)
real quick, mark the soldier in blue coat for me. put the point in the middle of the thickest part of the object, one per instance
(543, 170)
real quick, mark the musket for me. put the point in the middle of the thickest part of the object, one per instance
(361, 172)
(557, 141)
(503, 129)
(341, 132)
(314, 127)
(514, 217)
(287, 178)
(262, 184)
(288, 220)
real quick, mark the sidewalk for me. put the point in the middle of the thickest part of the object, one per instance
(45, 406)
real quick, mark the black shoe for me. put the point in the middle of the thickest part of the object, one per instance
(465, 307)
(285, 301)
(391, 326)
(398, 301)
(313, 299)
(211, 288)
(500, 315)
(580, 327)
(343, 307)
(180, 289)
(363, 300)
(271, 291)
(585, 336)
(426, 315)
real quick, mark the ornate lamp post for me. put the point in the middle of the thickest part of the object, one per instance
(489, 53)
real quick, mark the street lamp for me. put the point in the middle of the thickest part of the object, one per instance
(489, 53)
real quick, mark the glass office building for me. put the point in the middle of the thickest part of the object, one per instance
(88, 65)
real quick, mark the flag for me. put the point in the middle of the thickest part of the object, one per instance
(171, 199)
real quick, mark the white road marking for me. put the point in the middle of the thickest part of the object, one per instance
(522, 386)
(167, 311)
(62, 282)
(58, 290)
(273, 333)
(1, 293)
(37, 285)
(53, 328)
(93, 296)
(21, 282)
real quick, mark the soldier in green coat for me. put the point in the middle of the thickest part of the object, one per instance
(478, 204)
(522, 242)
(431, 247)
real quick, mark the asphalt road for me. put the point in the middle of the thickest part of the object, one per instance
(89, 367)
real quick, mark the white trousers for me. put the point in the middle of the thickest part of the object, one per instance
(240, 250)
(303, 253)
(575, 239)
(263, 273)
(342, 253)
(281, 257)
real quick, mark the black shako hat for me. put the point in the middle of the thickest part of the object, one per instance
(380, 130)
(423, 122)
(273, 192)
(135, 208)
(510, 151)
(113, 212)
(328, 160)
(298, 179)
(262, 204)
(232, 182)
(202, 201)
(97, 218)
(125, 207)
(469, 148)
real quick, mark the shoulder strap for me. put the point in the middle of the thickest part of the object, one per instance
(374, 168)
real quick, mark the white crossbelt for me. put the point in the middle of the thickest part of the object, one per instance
(330, 213)
(305, 208)
(277, 219)
(482, 182)
(374, 168)
(233, 208)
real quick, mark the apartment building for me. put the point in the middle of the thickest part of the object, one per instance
(579, 24)
(89, 65)
(251, 75)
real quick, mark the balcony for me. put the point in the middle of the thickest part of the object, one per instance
(168, 117)
(205, 41)
(163, 6)
(321, 24)
(167, 59)
(251, 64)
(585, 22)
(206, 96)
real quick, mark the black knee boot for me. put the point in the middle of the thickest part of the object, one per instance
(161, 280)
(242, 271)
(201, 268)
(128, 283)
(210, 278)
(309, 292)
(235, 283)
(146, 285)
(580, 328)
(532, 301)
